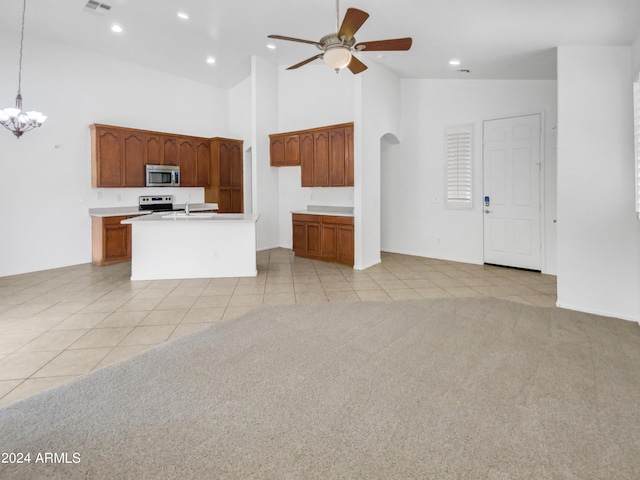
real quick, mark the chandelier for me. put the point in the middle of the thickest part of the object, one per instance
(13, 118)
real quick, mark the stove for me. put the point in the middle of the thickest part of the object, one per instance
(156, 203)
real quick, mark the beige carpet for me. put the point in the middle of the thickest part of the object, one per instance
(424, 389)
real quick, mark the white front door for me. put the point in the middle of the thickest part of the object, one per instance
(512, 192)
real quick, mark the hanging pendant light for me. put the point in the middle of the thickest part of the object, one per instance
(13, 118)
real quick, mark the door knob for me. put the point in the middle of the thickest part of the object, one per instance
(487, 211)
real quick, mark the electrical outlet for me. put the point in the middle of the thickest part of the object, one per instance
(118, 197)
(99, 195)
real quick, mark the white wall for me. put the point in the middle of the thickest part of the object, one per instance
(414, 170)
(264, 115)
(598, 231)
(377, 113)
(240, 122)
(635, 51)
(45, 189)
(240, 112)
(310, 97)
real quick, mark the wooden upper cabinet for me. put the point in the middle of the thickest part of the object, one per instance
(133, 159)
(119, 156)
(276, 150)
(169, 151)
(306, 159)
(337, 157)
(284, 150)
(224, 164)
(321, 158)
(153, 149)
(292, 150)
(203, 162)
(324, 154)
(235, 159)
(187, 161)
(348, 156)
(106, 157)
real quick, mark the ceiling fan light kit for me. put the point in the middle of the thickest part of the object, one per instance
(337, 57)
(337, 47)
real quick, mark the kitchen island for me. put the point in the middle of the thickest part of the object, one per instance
(197, 245)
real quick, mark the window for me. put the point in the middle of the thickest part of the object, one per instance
(636, 122)
(459, 166)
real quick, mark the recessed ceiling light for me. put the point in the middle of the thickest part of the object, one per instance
(116, 28)
(183, 15)
(211, 60)
(454, 61)
(271, 46)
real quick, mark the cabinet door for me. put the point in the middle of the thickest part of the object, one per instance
(321, 158)
(277, 151)
(236, 200)
(108, 157)
(235, 151)
(329, 241)
(169, 151)
(348, 155)
(133, 159)
(345, 246)
(292, 150)
(224, 164)
(187, 161)
(306, 159)
(314, 239)
(203, 162)
(224, 200)
(116, 240)
(336, 157)
(153, 149)
(230, 200)
(299, 237)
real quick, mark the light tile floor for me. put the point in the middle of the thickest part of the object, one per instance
(57, 325)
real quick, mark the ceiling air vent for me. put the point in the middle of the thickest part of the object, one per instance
(97, 7)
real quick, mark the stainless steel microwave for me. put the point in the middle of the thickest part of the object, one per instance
(162, 176)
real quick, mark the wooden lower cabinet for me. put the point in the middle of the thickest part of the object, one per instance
(110, 240)
(324, 237)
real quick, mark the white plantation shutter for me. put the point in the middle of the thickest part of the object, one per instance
(458, 165)
(636, 119)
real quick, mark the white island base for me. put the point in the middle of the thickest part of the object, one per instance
(167, 246)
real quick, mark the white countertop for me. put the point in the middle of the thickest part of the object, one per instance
(326, 210)
(171, 218)
(131, 210)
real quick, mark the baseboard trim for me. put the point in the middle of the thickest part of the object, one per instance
(423, 255)
(595, 311)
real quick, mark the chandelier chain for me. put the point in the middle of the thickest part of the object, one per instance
(24, 9)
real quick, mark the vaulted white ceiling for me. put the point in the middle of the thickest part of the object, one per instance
(494, 39)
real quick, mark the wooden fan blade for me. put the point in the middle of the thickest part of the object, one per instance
(304, 62)
(356, 66)
(291, 39)
(352, 22)
(385, 45)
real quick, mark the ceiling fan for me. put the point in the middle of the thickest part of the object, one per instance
(337, 48)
